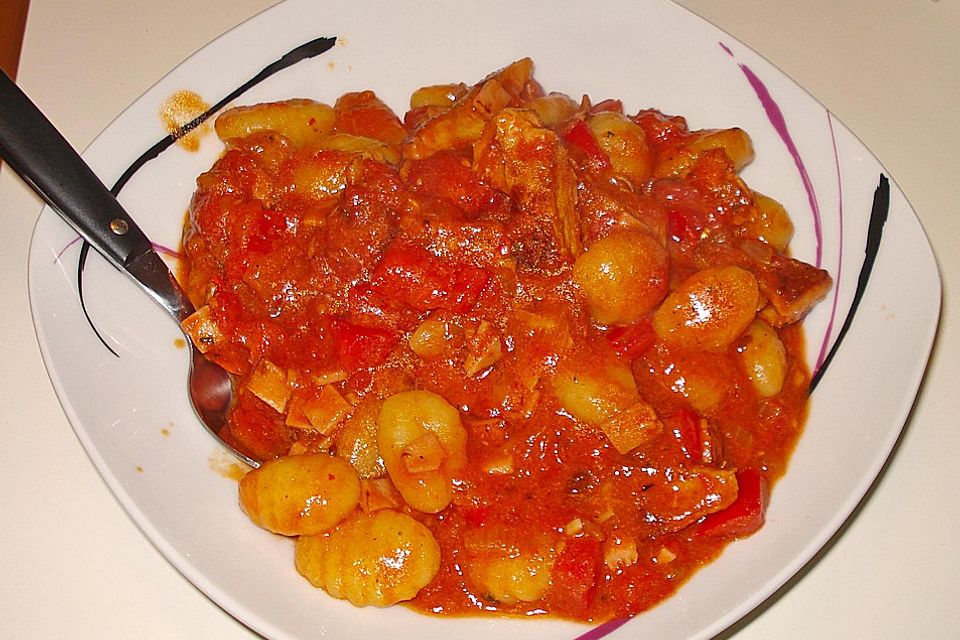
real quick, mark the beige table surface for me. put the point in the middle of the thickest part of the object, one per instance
(73, 565)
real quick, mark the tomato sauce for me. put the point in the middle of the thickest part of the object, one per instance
(484, 248)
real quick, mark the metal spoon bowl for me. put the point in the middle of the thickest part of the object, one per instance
(36, 150)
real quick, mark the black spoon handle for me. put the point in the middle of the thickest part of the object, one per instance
(33, 147)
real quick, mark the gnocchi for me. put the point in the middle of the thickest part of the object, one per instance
(594, 392)
(624, 143)
(735, 143)
(406, 421)
(710, 309)
(378, 559)
(623, 277)
(770, 222)
(517, 578)
(300, 121)
(300, 495)
(764, 358)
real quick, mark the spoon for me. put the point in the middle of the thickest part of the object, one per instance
(35, 150)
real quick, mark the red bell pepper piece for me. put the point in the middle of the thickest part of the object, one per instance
(747, 513)
(684, 226)
(632, 340)
(582, 137)
(687, 432)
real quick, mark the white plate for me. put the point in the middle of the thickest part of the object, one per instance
(131, 413)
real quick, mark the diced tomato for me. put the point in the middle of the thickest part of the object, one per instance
(582, 137)
(364, 114)
(689, 209)
(255, 428)
(420, 280)
(360, 380)
(446, 175)
(270, 225)
(465, 288)
(226, 302)
(747, 513)
(413, 276)
(360, 347)
(576, 571)
(251, 229)
(632, 340)
(235, 177)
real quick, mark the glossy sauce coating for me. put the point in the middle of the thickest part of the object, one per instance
(558, 337)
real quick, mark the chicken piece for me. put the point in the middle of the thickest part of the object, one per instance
(792, 288)
(607, 207)
(690, 494)
(519, 157)
(484, 348)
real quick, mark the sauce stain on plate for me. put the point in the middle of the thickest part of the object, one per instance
(227, 466)
(180, 109)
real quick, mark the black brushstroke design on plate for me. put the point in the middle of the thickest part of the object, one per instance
(81, 262)
(878, 218)
(305, 51)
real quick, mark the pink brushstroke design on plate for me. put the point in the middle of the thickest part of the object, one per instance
(825, 344)
(779, 122)
(65, 247)
(603, 630)
(159, 248)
